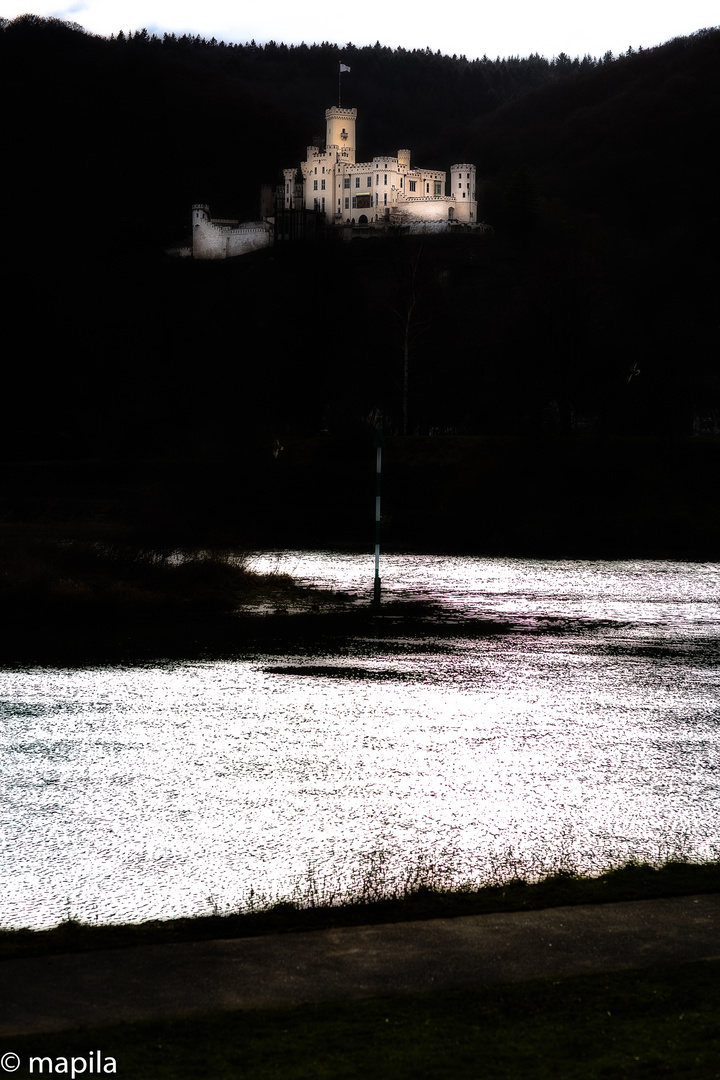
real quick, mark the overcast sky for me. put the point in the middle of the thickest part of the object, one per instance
(509, 28)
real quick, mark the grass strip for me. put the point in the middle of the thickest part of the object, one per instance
(410, 902)
(658, 1022)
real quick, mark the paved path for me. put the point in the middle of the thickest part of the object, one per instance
(91, 989)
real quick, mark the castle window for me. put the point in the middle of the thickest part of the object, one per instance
(347, 203)
(346, 182)
(413, 185)
(357, 181)
(369, 181)
(314, 185)
(377, 179)
(322, 184)
(438, 187)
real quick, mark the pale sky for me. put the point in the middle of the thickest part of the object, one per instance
(509, 28)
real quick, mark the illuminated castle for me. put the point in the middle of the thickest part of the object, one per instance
(385, 189)
(338, 190)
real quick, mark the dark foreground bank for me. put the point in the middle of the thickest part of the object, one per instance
(346, 963)
(623, 989)
(76, 601)
(651, 1023)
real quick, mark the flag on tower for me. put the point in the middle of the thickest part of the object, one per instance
(344, 67)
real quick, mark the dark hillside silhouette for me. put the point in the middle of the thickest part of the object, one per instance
(144, 124)
(591, 311)
(627, 141)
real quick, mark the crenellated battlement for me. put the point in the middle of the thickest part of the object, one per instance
(336, 113)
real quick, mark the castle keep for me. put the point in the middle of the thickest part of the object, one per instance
(340, 191)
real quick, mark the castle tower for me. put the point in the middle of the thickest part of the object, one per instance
(462, 189)
(341, 133)
(289, 189)
(201, 228)
(208, 240)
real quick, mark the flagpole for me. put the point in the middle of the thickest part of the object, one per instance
(343, 67)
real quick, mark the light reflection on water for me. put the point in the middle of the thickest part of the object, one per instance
(585, 734)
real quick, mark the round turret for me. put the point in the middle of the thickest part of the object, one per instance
(208, 239)
(200, 213)
(462, 189)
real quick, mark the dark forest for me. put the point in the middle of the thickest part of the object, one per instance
(564, 391)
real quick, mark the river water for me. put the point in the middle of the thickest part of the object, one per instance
(559, 714)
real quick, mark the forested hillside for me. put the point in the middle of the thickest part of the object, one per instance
(139, 123)
(591, 310)
(220, 118)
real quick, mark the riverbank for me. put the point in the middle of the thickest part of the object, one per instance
(81, 602)
(76, 602)
(540, 495)
(412, 901)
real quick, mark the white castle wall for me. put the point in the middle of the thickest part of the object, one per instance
(429, 208)
(249, 237)
(213, 241)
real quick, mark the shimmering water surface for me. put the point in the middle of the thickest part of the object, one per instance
(583, 731)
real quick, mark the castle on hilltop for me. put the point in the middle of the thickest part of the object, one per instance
(336, 190)
(386, 189)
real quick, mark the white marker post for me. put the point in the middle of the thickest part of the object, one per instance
(378, 472)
